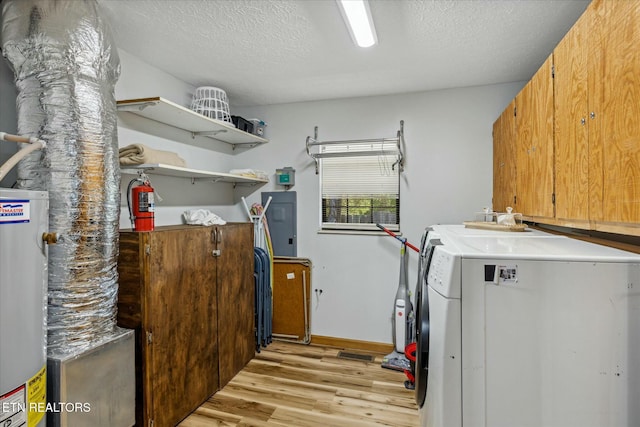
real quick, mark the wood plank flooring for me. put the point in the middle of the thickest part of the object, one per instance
(290, 384)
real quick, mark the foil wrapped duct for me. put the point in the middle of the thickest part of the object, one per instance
(66, 67)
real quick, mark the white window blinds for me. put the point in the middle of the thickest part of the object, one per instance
(359, 189)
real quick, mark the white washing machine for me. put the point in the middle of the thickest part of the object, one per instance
(441, 234)
(527, 332)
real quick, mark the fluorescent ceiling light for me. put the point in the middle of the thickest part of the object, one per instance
(357, 16)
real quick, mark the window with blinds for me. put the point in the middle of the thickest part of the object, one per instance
(359, 190)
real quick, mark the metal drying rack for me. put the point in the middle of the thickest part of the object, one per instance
(394, 148)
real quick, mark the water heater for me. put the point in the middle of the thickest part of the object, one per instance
(23, 293)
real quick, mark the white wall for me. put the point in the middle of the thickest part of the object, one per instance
(140, 80)
(448, 177)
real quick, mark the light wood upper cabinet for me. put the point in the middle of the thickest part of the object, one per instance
(615, 101)
(597, 122)
(578, 131)
(571, 104)
(504, 155)
(534, 147)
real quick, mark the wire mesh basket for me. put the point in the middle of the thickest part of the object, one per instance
(211, 102)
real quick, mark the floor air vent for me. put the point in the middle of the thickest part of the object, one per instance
(355, 356)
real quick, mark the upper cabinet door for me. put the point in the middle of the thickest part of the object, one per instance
(534, 126)
(578, 133)
(572, 123)
(615, 111)
(504, 159)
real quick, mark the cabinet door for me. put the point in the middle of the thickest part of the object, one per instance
(180, 310)
(504, 159)
(571, 123)
(534, 126)
(615, 130)
(236, 336)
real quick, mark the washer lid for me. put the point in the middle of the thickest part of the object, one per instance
(560, 248)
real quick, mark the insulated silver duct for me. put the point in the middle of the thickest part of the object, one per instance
(66, 67)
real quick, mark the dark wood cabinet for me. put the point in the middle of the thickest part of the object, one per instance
(176, 287)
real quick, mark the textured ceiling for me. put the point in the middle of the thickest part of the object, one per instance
(277, 51)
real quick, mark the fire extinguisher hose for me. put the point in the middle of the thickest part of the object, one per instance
(131, 215)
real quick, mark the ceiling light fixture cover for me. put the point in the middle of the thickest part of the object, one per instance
(357, 16)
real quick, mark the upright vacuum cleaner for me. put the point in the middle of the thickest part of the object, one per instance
(403, 316)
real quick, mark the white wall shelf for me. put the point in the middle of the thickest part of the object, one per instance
(170, 113)
(193, 174)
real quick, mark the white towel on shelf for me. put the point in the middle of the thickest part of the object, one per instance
(202, 217)
(250, 173)
(138, 154)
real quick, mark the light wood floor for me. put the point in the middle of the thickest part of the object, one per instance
(289, 384)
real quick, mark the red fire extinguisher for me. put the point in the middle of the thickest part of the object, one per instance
(142, 208)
